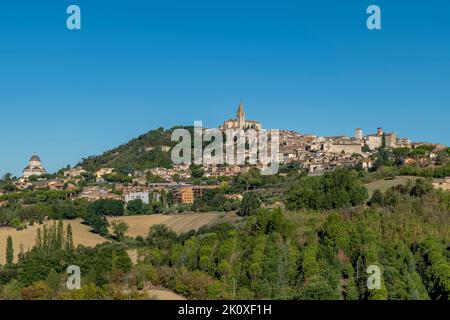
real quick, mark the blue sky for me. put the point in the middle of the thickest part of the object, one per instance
(310, 66)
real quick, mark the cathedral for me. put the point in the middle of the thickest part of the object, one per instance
(240, 122)
(34, 167)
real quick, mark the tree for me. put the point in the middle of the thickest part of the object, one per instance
(161, 236)
(69, 238)
(270, 221)
(107, 207)
(250, 204)
(197, 171)
(250, 179)
(119, 229)
(400, 154)
(9, 252)
(151, 178)
(7, 176)
(121, 261)
(8, 187)
(377, 198)
(382, 159)
(421, 188)
(59, 239)
(52, 281)
(137, 207)
(99, 224)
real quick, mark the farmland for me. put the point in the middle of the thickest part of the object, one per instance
(26, 238)
(139, 225)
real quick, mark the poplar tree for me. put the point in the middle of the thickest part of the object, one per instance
(59, 235)
(69, 238)
(39, 244)
(9, 252)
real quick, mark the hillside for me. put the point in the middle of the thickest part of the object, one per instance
(144, 152)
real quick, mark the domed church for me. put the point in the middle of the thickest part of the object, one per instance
(34, 167)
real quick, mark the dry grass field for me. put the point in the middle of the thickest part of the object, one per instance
(157, 293)
(140, 225)
(160, 294)
(383, 185)
(27, 237)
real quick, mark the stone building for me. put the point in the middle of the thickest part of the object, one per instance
(375, 141)
(102, 172)
(34, 167)
(96, 193)
(74, 172)
(339, 146)
(240, 122)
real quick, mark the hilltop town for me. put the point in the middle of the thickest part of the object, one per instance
(221, 231)
(311, 154)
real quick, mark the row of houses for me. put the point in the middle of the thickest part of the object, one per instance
(182, 193)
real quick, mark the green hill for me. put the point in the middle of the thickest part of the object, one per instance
(144, 152)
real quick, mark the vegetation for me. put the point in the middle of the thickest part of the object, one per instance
(9, 252)
(146, 151)
(297, 237)
(320, 250)
(250, 204)
(119, 228)
(338, 189)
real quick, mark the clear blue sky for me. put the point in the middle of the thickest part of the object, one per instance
(310, 66)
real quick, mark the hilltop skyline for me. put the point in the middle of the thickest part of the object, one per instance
(313, 68)
(35, 155)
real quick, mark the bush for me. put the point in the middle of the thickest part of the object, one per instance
(377, 198)
(250, 204)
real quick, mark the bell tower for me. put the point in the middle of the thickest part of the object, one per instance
(241, 116)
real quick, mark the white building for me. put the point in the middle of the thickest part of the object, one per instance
(143, 196)
(34, 167)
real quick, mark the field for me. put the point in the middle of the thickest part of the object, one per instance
(383, 185)
(27, 237)
(140, 225)
(160, 294)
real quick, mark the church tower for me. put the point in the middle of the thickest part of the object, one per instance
(241, 116)
(240, 122)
